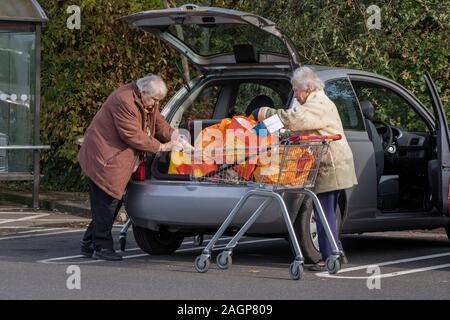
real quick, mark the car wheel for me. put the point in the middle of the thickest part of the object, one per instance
(447, 229)
(306, 231)
(157, 242)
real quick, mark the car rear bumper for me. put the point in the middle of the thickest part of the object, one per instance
(191, 205)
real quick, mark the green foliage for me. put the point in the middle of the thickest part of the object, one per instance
(414, 37)
(80, 68)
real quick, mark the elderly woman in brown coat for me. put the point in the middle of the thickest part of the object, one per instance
(126, 126)
(318, 115)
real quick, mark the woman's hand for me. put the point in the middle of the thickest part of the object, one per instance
(183, 144)
(255, 113)
(260, 114)
(165, 147)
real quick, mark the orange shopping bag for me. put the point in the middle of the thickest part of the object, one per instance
(203, 169)
(179, 163)
(245, 170)
(227, 142)
(293, 171)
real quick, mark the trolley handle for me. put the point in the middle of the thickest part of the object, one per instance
(309, 138)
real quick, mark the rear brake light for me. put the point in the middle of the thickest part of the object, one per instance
(139, 174)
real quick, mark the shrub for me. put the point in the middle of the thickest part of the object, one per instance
(82, 67)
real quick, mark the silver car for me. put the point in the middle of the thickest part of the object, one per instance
(400, 148)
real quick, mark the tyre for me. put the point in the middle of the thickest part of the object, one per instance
(447, 229)
(306, 231)
(157, 242)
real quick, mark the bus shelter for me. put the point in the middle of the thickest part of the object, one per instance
(21, 23)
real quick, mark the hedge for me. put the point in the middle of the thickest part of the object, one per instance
(81, 67)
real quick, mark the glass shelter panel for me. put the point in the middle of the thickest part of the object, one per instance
(17, 94)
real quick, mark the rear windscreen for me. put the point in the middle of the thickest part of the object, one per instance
(208, 40)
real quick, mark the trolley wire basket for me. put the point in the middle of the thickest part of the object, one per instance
(293, 164)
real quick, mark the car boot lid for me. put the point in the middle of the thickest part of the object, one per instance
(216, 38)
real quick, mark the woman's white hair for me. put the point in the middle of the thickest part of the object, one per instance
(153, 85)
(305, 78)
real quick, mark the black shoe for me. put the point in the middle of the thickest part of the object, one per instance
(106, 254)
(87, 249)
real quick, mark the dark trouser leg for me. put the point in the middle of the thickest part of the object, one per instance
(329, 201)
(87, 237)
(104, 209)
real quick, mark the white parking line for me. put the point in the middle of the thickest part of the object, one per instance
(63, 220)
(41, 229)
(219, 247)
(387, 263)
(36, 216)
(41, 235)
(50, 261)
(17, 213)
(25, 227)
(132, 249)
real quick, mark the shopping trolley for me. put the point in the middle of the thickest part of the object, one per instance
(123, 233)
(297, 161)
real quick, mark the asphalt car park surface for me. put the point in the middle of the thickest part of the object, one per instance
(39, 251)
(19, 220)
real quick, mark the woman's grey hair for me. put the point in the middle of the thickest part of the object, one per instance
(305, 78)
(153, 85)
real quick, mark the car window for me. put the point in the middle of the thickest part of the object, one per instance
(256, 95)
(208, 40)
(340, 91)
(390, 107)
(203, 106)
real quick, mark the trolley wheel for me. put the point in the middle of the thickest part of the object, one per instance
(224, 260)
(333, 264)
(296, 270)
(201, 263)
(198, 240)
(123, 242)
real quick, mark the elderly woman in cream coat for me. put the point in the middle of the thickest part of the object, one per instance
(318, 115)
